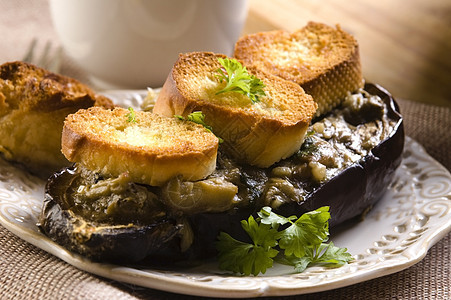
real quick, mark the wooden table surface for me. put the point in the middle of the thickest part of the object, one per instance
(405, 45)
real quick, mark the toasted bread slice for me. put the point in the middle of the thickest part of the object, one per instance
(259, 134)
(324, 60)
(152, 149)
(33, 105)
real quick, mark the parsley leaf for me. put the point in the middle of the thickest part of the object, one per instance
(199, 118)
(196, 117)
(245, 258)
(131, 116)
(331, 255)
(261, 234)
(239, 80)
(324, 254)
(269, 217)
(311, 228)
(300, 243)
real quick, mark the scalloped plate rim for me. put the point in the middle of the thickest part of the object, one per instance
(184, 286)
(185, 283)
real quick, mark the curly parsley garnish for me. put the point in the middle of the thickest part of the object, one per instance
(199, 118)
(131, 116)
(239, 80)
(301, 243)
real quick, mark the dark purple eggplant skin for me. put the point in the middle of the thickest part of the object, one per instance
(349, 194)
(359, 187)
(107, 243)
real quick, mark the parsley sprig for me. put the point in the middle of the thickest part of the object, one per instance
(239, 80)
(199, 118)
(131, 116)
(301, 243)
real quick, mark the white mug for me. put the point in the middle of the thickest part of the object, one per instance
(134, 43)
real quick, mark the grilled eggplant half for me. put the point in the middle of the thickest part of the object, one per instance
(346, 162)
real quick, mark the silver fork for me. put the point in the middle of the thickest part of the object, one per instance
(49, 59)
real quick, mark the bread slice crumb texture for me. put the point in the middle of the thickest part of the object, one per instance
(299, 56)
(33, 105)
(148, 132)
(324, 60)
(258, 133)
(151, 148)
(307, 54)
(195, 74)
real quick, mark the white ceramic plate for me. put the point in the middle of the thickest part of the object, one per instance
(413, 215)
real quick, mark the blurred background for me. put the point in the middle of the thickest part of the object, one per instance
(405, 45)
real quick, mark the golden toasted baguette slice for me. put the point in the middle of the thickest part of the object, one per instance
(259, 134)
(152, 149)
(33, 105)
(324, 60)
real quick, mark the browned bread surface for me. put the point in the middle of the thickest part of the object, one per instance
(151, 150)
(259, 134)
(324, 60)
(33, 105)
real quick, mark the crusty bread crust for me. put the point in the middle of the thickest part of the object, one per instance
(151, 150)
(259, 134)
(33, 105)
(324, 60)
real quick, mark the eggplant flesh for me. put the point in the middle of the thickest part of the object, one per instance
(350, 191)
(358, 187)
(103, 233)
(346, 162)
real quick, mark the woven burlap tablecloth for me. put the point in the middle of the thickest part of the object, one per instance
(27, 272)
